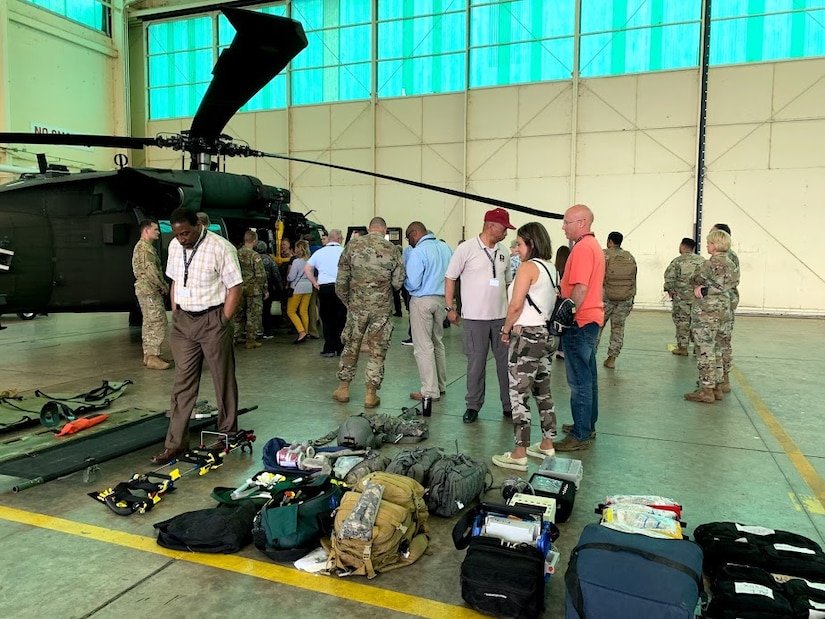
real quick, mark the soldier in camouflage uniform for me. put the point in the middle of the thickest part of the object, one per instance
(726, 329)
(678, 276)
(619, 293)
(150, 288)
(250, 310)
(712, 285)
(369, 268)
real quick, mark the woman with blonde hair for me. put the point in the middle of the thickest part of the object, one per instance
(297, 307)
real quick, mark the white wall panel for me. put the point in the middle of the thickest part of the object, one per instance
(443, 119)
(665, 150)
(442, 163)
(493, 113)
(799, 89)
(398, 161)
(667, 99)
(740, 94)
(543, 156)
(738, 147)
(352, 125)
(607, 104)
(606, 153)
(492, 159)
(799, 144)
(544, 109)
(310, 128)
(359, 158)
(398, 122)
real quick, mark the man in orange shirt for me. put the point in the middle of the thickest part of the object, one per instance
(582, 282)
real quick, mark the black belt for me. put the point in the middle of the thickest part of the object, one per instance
(201, 312)
(329, 284)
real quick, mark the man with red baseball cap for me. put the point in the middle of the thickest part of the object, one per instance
(483, 264)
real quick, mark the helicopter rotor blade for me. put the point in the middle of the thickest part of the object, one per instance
(263, 45)
(76, 139)
(451, 192)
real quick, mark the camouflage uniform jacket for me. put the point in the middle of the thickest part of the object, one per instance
(679, 274)
(734, 293)
(146, 267)
(720, 275)
(369, 268)
(252, 271)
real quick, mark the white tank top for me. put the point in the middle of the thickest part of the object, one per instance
(543, 294)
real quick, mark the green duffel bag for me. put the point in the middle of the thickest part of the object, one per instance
(294, 520)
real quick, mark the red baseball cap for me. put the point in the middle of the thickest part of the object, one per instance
(499, 216)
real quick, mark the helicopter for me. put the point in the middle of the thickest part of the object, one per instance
(66, 239)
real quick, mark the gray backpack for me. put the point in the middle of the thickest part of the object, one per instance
(372, 462)
(416, 463)
(455, 482)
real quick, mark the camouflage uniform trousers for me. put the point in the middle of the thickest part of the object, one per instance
(153, 331)
(681, 318)
(725, 333)
(249, 316)
(616, 312)
(374, 332)
(706, 321)
(528, 368)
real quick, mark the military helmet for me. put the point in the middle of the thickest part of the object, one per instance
(356, 433)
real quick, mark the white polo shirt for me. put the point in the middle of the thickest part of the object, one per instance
(326, 261)
(478, 267)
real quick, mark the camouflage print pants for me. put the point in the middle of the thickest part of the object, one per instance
(681, 318)
(616, 312)
(529, 372)
(706, 320)
(374, 332)
(249, 317)
(725, 333)
(153, 331)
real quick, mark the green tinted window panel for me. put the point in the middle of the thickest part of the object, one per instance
(335, 46)
(271, 97)
(87, 12)
(175, 101)
(526, 20)
(519, 63)
(226, 31)
(437, 34)
(323, 85)
(180, 36)
(634, 51)
(317, 14)
(396, 9)
(613, 15)
(181, 68)
(766, 37)
(422, 76)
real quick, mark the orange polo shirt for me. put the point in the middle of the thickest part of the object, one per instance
(586, 266)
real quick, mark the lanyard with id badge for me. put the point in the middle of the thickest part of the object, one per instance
(494, 281)
(183, 293)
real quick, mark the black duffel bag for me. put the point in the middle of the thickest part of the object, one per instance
(221, 529)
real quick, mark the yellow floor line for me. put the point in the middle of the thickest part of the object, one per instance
(797, 458)
(351, 590)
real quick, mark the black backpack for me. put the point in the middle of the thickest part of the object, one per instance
(222, 529)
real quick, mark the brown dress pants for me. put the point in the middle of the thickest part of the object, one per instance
(195, 338)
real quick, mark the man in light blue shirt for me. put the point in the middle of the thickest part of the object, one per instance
(426, 265)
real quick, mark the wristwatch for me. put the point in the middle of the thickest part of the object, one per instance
(449, 309)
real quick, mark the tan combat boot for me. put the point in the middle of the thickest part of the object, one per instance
(717, 392)
(610, 362)
(342, 393)
(704, 394)
(682, 352)
(153, 362)
(371, 400)
(145, 357)
(725, 384)
(253, 344)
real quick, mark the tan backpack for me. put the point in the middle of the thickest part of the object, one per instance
(620, 277)
(399, 533)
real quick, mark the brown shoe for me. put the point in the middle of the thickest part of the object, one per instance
(610, 362)
(571, 443)
(682, 352)
(420, 396)
(717, 392)
(153, 362)
(144, 359)
(567, 428)
(167, 455)
(253, 344)
(701, 395)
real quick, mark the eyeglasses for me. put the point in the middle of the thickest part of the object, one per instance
(567, 223)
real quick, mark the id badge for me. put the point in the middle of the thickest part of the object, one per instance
(182, 293)
(494, 283)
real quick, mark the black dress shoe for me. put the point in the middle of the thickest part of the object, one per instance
(470, 415)
(167, 456)
(327, 354)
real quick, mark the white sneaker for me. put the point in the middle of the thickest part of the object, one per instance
(537, 452)
(505, 461)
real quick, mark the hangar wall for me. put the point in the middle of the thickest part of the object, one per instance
(626, 147)
(60, 75)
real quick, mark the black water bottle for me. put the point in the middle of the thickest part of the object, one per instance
(427, 405)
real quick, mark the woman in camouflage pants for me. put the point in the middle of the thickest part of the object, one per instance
(532, 298)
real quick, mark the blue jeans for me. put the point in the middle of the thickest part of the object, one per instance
(580, 364)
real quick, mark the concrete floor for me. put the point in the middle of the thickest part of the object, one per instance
(757, 456)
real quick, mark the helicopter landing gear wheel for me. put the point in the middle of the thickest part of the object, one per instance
(27, 315)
